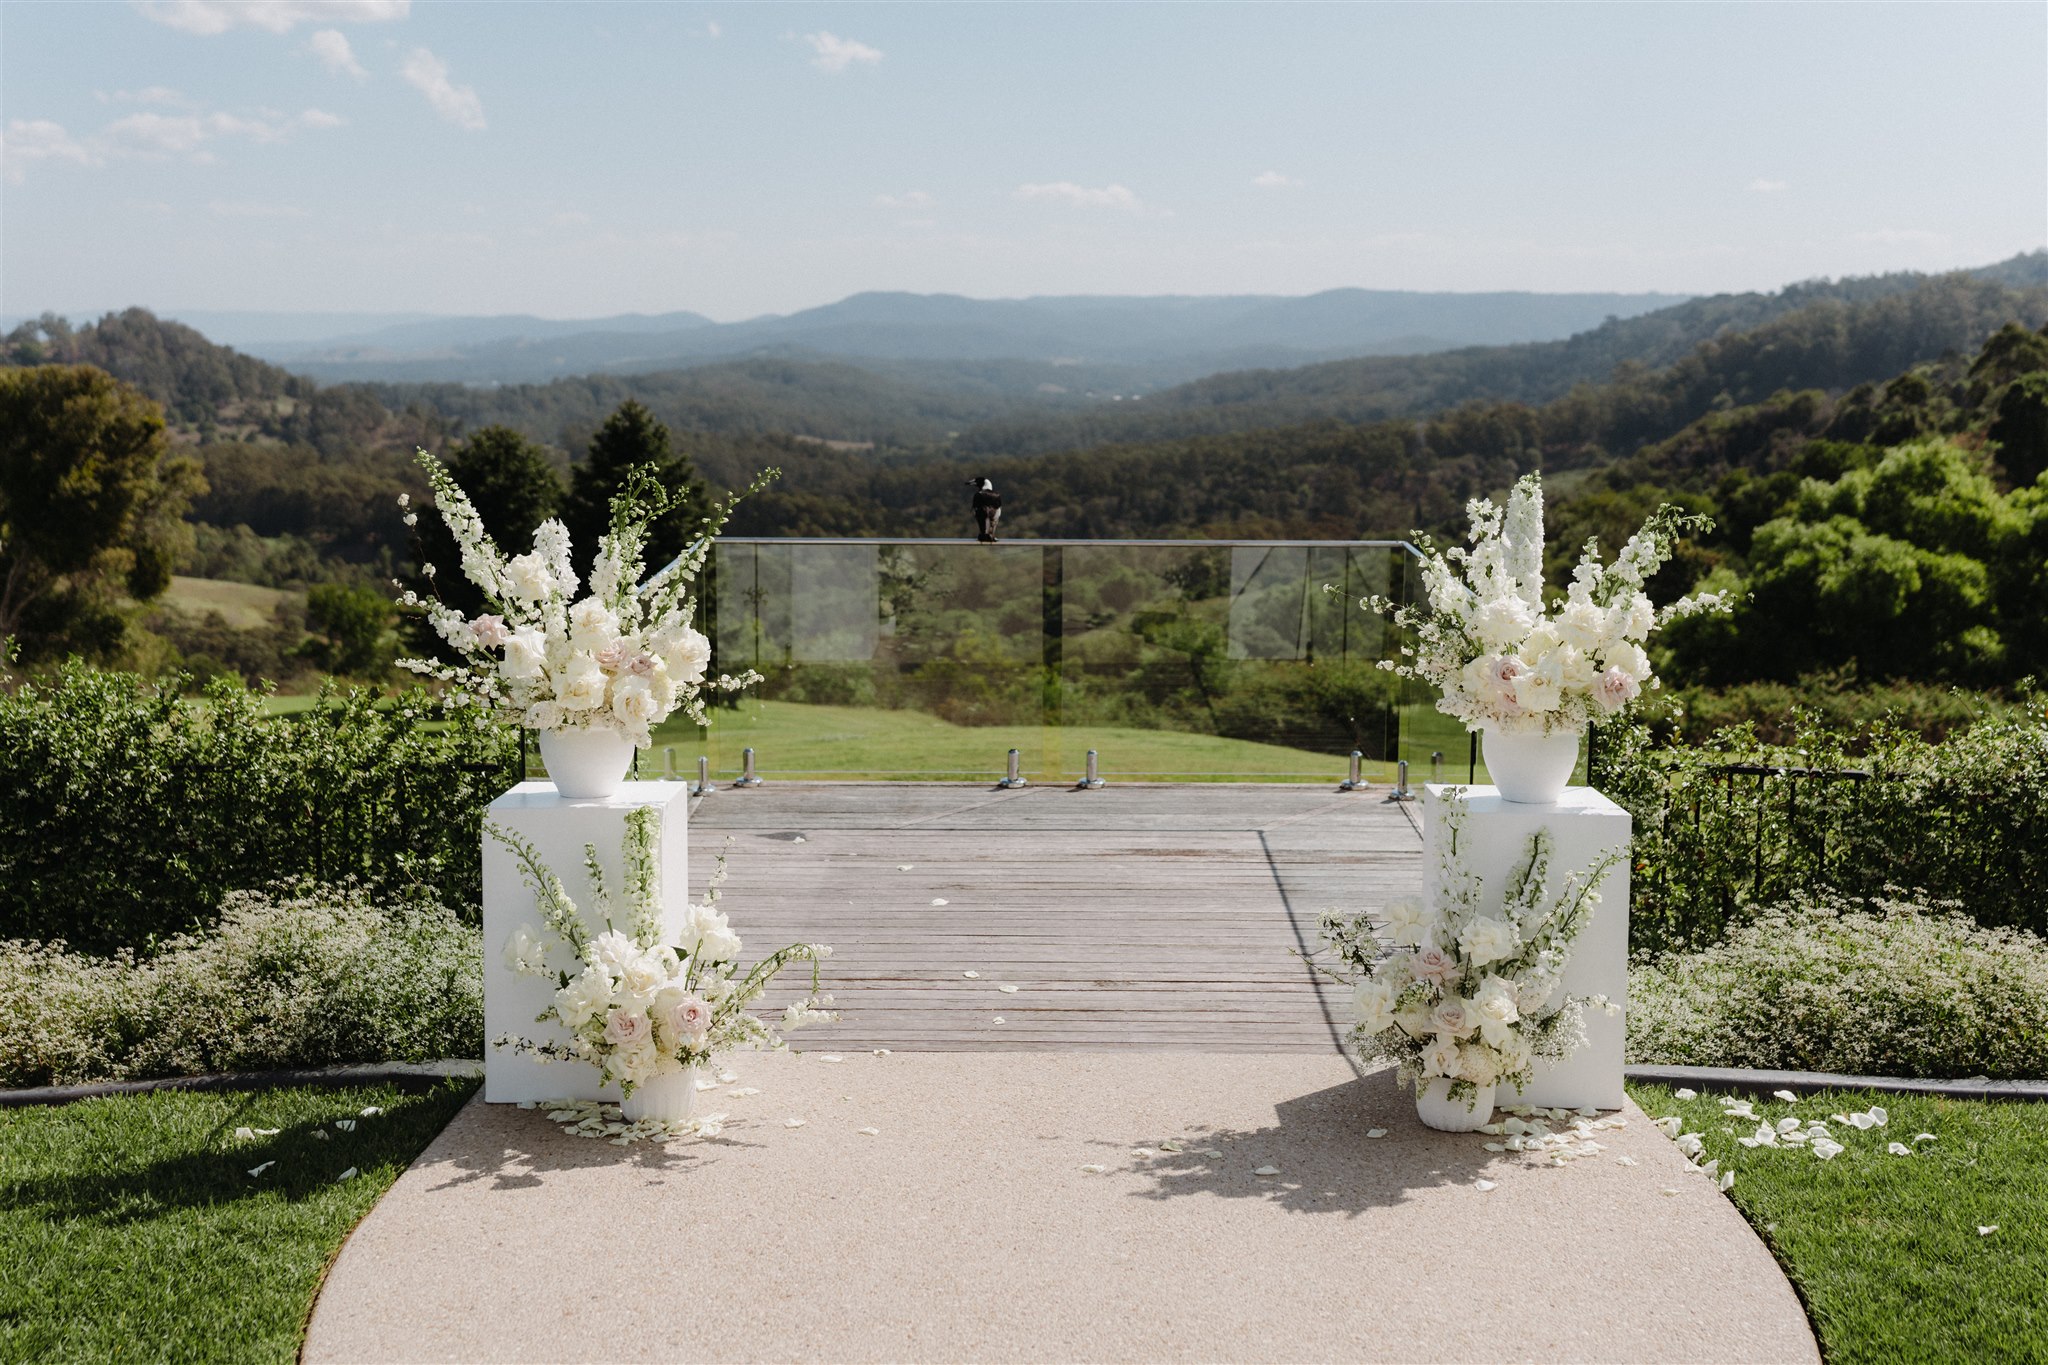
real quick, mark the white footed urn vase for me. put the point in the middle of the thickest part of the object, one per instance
(587, 764)
(1530, 769)
(1435, 1107)
(670, 1097)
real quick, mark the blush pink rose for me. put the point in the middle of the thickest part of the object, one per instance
(624, 1028)
(690, 1018)
(611, 656)
(1615, 689)
(489, 631)
(640, 665)
(1433, 964)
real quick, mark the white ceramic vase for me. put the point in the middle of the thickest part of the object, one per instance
(669, 1097)
(1435, 1107)
(586, 764)
(1530, 769)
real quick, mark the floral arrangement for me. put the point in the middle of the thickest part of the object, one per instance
(1499, 656)
(624, 654)
(638, 1003)
(1469, 1000)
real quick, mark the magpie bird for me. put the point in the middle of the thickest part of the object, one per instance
(988, 509)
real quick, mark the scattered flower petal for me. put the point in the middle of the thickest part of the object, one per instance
(1142, 1151)
(706, 1083)
(728, 1077)
(1266, 1170)
(1092, 1169)
(1878, 1115)
(998, 1020)
(792, 1123)
(881, 1052)
(828, 1057)
(1495, 1147)
(349, 1174)
(1986, 1231)
(972, 976)
(1899, 1149)
(1785, 1095)
(259, 1170)
(320, 1133)
(345, 1125)
(1925, 1137)
(869, 1132)
(1667, 1190)
(1172, 1145)
(905, 867)
(1727, 1181)
(528, 1104)
(938, 900)
(1212, 1153)
(1375, 1132)
(1624, 1160)
(1007, 989)
(245, 1134)
(1684, 1094)
(742, 1091)
(1484, 1185)
(1827, 1149)
(370, 1111)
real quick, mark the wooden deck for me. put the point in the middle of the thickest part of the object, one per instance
(1135, 916)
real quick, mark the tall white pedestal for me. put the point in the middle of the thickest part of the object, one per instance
(559, 829)
(1584, 826)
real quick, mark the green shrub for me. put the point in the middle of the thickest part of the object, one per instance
(1895, 989)
(1694, 714)
(306, 977)
(1965, 819)
(127, 813)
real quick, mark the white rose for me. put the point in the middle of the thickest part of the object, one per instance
(637, 1063)
(714, 938)
(584, 998)
(1642, 618)
(1542, 687)
(634, 700)
(1487, 940)
(1495, 999)
(1374, 1001)
(529, 577)
(592, 625)
(1408, 920)
(526, 953)
(580, 685)
(686, 654)
(1440, 1058)
(643, 974)
(525, 654)
(1501, 623)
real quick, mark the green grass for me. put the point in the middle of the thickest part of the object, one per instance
(130, 1228)
(796, 739)
(243, 606)
(1884, 1249)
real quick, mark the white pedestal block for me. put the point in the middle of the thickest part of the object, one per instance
(1584, 826)
(559, 829)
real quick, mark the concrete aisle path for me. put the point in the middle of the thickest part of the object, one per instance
(966, 1229)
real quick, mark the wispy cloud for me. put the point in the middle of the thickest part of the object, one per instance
(1067, 192)
(912, 199)
(1762, 186)
(232, 208)
(1273, 180)
(149, 94)
(208, 17)
(832, 53)
(331, 46)
(149, 136)
(712, 29)
(459, 104)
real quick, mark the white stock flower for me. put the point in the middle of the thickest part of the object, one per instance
(1583, 626)
(612, 951)
(713, 936)
(529, 578)
(1374, 1001)
(1502, 623)
(1488, 940)
(643, 974)
(592, 625)
(1630, 659)
(581, 684)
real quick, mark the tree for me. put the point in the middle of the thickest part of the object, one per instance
(351, 622)
(92, 506)
(629, 437)
(514, 489)
(2021, 429)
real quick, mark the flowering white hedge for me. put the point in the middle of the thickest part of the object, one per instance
(1471, 998)
(624, 654)
(636, 1003)
(1499, 656)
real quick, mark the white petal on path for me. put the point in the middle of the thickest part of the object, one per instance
(1007, 989)
(869, 1132)
(792, 1123)
(941, 900)
(972, 976)
(259, 1170)
(1375, 1132)
(1484, 1185)
(1093, 1169)
(1684, 1094)
(1266, 1170)
(349, 1174)
(1785, 1095)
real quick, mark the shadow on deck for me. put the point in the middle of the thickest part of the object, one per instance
(1132, 917)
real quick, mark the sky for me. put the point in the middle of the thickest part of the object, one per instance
(585, 159)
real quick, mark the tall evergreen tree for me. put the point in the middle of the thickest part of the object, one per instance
(631, 436)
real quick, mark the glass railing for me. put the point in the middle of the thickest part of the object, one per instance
(1173, 660)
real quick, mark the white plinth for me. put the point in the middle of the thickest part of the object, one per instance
(559, 828)
(1584, 826)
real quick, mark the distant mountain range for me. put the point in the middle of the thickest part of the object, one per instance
(1155, 341)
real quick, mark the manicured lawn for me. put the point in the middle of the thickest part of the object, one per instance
(795, 739)
(1884, 1248)
(131, 1229)
(244, 606)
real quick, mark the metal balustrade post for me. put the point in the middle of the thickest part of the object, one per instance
(1401, 792)
(748, 777)
(1090, 781)
(1356, 781)
(703, 787)
(1014, 777)
(668, 762)
(1436, 765)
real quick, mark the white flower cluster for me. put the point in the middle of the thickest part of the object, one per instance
(1468, 994)
(624, 654)
(643, 1003)
(1501, 657)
